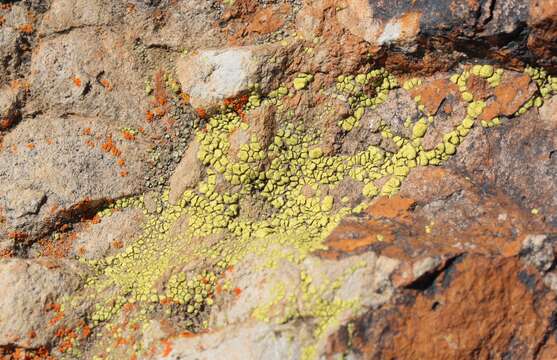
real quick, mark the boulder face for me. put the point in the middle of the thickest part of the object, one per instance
(278, 179)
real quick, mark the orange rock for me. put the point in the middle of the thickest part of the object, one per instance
(513, 92)
(352, 237)
(473, 314)
(396, 207)
(268, 20)
(433, 93)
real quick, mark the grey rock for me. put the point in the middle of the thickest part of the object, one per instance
(28, 287)
(109, 236)
(73, 86)
(21, 203)
(538, 251)
(187, 174)
(51, 168)
(247, 341)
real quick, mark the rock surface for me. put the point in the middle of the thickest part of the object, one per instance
(31, 289)
(279, 179)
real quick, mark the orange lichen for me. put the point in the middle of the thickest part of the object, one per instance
(76, 81)
(237, 291)
(85, 331)
(59, 316)
(57, 248)
(53, 209)
(69, 336)
(30, 146)
(87, 131)
(149, 116)
(186, 334)
(26, 28)
(109, 147)
(201, 113)
(41, 353)
(54, 307)
(167, 347)
(121, 162)
(159, 111)
(49, 141)
(17, 235)
(123, 173)
(128, 135)
(81, 251)
(90, 143)
(106, 84)
(121, 341)
(117, 244)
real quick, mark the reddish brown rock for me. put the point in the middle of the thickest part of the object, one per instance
(543, 20)
(468, 312)
(460, 278)
(268, 20)
(432, 93)
(516, 158)
(513, 92)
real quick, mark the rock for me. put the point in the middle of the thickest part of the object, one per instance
(513, 92)
(10, 103)
(516, 159)
(547, 113)
(110, 236)
(64, 15)
(246, 341)
(30, 287)
(460, 263)
(398, 107)
(211, 76)
(21, 203)
(433, 92)
(538, 251)
(482, 30)
(214, 75)
(458, 260)
(287, 291)
(187, 174)
(542, 20)
(477, 289)
(16, 38)
(75, 86)
(58, 167)
(184, 25)
(359, 17)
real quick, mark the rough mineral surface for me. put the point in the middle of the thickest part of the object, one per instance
(285, 179)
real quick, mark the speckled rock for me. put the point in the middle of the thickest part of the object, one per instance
(30, 288)
(53, 167)
(293, 237)
(109, 236)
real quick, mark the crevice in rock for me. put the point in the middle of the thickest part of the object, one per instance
(426, 282)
